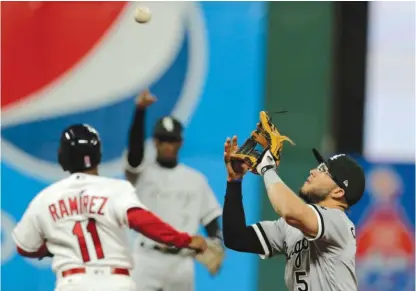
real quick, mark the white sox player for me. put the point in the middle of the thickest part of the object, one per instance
(81, 221)
(317, 238)
(175, 192)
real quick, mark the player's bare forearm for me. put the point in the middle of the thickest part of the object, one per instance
(286, 203)
(289, 206)
(153, 227)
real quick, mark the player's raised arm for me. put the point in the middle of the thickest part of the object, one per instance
(285, 202)
(136, 138)
(336, 184)
(265, 238)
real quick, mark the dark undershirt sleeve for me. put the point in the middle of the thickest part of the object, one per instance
(136, 139)
(213, 229)
(237, 235)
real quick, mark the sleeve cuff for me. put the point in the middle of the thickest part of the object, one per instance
(211, 216)
(23, 246)
(236, 180)
(130, 168)
(321, 227)
(263, 241)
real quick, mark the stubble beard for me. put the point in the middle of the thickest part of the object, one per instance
(312, 196)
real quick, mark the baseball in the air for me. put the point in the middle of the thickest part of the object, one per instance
(142, 14)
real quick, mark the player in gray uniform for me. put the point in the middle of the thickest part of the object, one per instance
(178, 194)
(314, 232)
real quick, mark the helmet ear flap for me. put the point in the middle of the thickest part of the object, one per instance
(99, 156)
(61, 160)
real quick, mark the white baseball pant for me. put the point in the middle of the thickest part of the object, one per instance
(95, 279)
(156, 271)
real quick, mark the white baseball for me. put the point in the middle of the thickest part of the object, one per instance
(142, 14)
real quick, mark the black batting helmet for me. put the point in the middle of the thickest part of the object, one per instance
(80, 148)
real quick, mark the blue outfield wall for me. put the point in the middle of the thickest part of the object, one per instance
(212, 80)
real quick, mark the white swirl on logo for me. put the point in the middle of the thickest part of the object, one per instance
(123, 80)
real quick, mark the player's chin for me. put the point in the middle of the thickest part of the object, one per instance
(306, 188)
(303, 193)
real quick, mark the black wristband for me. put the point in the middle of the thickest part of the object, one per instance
(266, 168)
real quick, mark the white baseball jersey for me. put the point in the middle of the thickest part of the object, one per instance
(180, 196)
(323, 263)
(82, 219)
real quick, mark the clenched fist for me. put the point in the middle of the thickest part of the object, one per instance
(145, 99)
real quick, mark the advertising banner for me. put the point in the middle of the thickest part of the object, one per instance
(84, 62)
(385, 223)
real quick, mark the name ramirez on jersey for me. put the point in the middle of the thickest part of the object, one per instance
(77, 205)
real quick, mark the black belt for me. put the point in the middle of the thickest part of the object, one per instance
(166, 250)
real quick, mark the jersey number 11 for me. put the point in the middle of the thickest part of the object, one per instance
(79, 233)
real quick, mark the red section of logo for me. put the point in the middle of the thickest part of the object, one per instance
(42, 40)
(385, 232)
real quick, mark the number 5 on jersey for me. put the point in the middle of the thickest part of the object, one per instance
(301, 284)
(79, 233)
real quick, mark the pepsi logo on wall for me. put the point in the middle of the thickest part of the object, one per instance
(72, 62)
(53, 75)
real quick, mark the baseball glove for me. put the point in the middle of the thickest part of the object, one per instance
(213, 257)
(269, 137)
(245, 154)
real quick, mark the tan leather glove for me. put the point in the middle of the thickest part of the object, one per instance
(269, 137)
(213, 257)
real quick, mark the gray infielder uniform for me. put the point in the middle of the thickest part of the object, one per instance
(323, 263)
(179, 194)
(183, 197)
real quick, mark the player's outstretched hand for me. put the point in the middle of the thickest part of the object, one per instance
(198, 244)
(145, 99)
(231, 146)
